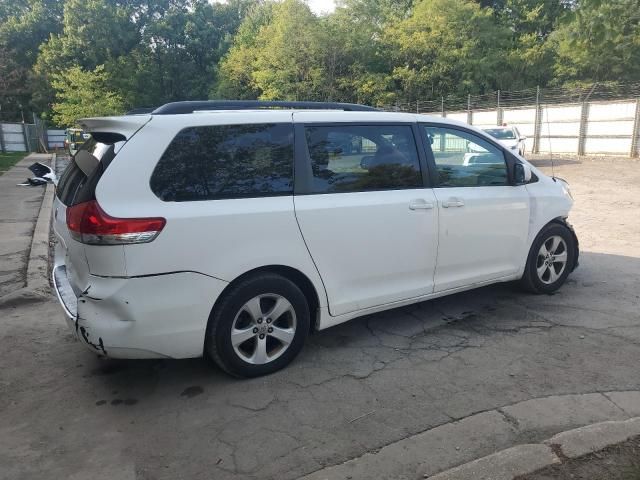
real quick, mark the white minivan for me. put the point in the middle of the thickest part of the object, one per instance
(235, 228)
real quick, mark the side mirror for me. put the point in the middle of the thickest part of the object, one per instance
(523, 138)
(522, 173)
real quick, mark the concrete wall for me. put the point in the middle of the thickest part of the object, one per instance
(12, 137)
(55, 138)
(594, 128)
(24, 137)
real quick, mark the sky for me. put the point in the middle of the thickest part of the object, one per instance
(317, 6)
(322, 6)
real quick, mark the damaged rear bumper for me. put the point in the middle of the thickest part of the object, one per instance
(157, 316)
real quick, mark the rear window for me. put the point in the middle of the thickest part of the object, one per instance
(501, 133)
(75, 186)
(226, 161)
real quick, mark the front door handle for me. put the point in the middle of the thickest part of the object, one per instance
(453, 202)
(420, 204)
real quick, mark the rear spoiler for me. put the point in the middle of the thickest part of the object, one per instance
(124, 126)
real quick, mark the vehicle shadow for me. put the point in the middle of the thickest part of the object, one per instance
(367, 383)
(552, 161)
(603, 287)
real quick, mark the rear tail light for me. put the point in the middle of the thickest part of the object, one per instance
(88, 223)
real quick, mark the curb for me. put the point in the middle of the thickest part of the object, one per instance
(525, 459)
(500, 443)
(37, 279)
(38, 264)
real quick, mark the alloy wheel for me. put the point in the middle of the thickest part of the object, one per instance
(263, 329)
(552, 259)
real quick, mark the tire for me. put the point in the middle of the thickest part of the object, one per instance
(261, 344)
(545, 272)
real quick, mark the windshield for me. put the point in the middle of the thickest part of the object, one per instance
(501, 133)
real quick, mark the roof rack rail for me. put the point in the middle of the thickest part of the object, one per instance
(140, 110)
(193, 106)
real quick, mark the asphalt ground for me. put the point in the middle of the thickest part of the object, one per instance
(355, 388)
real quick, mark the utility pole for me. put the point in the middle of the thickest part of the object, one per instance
(537, 127)
(635, 140)
(584, 122)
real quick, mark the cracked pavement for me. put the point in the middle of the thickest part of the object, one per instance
(354, 389)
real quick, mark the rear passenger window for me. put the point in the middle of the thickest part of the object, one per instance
(361, 158)
(226, 161)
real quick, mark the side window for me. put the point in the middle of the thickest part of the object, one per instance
(465, 160)
(354, 158)
(226, 161)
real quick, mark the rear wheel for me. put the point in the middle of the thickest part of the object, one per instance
(259, 326)
(550, 259)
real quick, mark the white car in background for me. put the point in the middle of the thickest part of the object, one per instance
(234, 229)
(510, 137)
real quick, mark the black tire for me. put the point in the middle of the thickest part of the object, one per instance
(218, 342)
(531, 280)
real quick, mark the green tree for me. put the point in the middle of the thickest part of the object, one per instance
(277, 54)
(600, 41)
(24, 26)
(356, 60)
(235, 78)
(289, 66)
(14, 94)
(531, 56)
(447, 46)
(83, 93)
(94, 32)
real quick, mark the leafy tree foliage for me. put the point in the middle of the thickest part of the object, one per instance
(120, 54)
(81, 93)
(447, 45)
(600, 41)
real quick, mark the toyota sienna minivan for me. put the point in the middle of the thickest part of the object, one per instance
(233, 229)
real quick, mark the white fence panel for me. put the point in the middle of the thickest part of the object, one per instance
(562, 113)
(558, 145)
(612, 111)
(460, 116)
(556, 129)
(488, 118)
(608, 145)
(607, 126)
(13, 137)
(612, 128)
(55, 138)
(519, 116)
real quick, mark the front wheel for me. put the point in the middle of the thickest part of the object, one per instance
(259, 326)
(550, 260)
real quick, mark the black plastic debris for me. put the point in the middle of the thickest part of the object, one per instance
(43, 175)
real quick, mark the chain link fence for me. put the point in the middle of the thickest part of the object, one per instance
(599, 119)
(30, 137)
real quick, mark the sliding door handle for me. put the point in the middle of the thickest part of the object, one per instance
(420, 204)
(453, 202)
